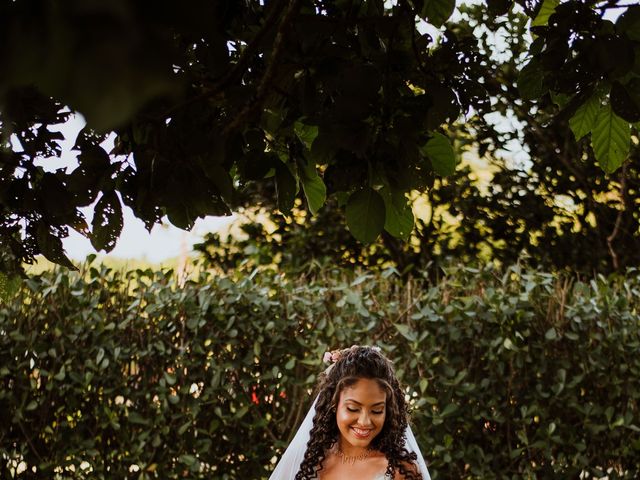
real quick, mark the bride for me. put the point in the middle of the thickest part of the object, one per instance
(357, 426)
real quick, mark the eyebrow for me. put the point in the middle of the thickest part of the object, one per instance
(355, 401)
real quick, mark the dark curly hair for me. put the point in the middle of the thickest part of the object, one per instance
(353, 364)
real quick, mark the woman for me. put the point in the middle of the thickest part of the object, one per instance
(357, 426)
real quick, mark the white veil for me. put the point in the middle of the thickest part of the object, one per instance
(290, 461)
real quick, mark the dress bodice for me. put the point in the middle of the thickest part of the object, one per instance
(381, 476)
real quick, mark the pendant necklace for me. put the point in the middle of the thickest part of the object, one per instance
(351, 459)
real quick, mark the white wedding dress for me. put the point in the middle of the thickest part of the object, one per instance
(290, 461)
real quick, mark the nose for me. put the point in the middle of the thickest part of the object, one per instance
(364, 420)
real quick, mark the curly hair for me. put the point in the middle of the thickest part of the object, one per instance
(352, 365)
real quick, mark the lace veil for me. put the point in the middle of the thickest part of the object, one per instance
(292, 458)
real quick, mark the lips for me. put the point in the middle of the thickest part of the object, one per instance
(361, 432)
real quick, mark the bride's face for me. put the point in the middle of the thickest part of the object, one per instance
(361, 412)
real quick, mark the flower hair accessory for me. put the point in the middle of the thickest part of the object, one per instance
(334, 355)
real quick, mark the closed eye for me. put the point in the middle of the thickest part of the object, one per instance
(355, 410)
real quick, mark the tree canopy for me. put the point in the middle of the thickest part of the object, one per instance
(351, 99)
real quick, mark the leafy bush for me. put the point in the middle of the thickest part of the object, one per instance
(512, 374)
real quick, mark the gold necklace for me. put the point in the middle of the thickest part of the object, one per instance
(351, 459)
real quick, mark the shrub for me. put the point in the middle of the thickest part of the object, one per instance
(512, 374)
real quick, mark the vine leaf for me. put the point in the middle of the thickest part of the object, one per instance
(610, 139)
(365, 214)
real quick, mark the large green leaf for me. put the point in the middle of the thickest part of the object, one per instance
(314, 188)
(584, 119)
(440, 152)
(365, 214)
(398, 213)
(547, 9)
(110, 77)
(438, 11)
(610, 139)
(107, 222)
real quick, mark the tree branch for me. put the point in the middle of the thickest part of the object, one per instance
(238, 70)
(28, 438)
(261, 93)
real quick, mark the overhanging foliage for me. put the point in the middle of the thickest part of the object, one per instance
(331, 97)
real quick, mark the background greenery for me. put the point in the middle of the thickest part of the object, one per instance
(512, 372)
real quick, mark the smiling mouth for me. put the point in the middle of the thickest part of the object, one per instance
(361, 432)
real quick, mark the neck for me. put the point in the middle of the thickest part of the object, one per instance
(349, 450)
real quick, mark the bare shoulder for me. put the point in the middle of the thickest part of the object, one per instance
(330, 463)
(379, 461)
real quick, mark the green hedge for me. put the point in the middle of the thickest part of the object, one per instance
(513, 374)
